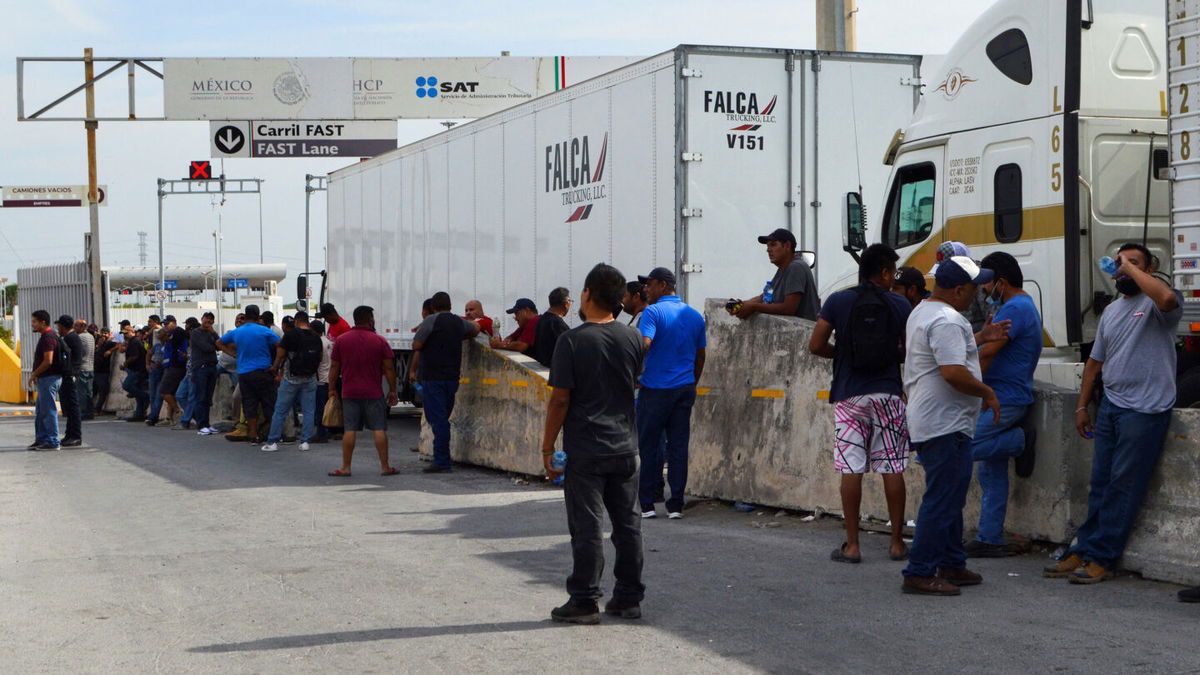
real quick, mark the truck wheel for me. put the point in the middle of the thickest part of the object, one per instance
(1187, 391)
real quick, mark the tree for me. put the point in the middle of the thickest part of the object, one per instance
(10, 298)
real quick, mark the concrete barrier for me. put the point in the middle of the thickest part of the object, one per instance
(500, 412)
(762, 433)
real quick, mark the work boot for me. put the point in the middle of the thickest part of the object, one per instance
(1091, 573)
(982, 549)
(237, 436)
(1023, 465)
(929, 586)
(1190, 595)
(625, 609)
(960, 577)
(1063, 568)
(577, 612)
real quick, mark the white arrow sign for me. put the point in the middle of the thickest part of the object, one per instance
(229, 139)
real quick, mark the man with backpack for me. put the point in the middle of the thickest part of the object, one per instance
(297, 358)
(870, 431)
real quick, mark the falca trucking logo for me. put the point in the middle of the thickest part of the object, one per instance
(572, 172)
(742, 108)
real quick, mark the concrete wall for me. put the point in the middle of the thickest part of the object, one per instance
(762, 433)
(500, 411)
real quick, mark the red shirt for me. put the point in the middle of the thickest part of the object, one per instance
(485, 325)
(527, 332)
(336, 329)
(360, 352)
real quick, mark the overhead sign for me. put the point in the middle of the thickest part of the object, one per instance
(169, 285)
(237, 283)
(51, 195)
(200, 170)
(366, 89)
(291, 138)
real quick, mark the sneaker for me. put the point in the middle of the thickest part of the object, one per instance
(1062, 568)
(586, 613)
(164, 423)
(650, 514)
(71, 443)
(303, 447)
(1190, 595)
(207, 431)
(1025, 461)
(674, 515)
(624, 609)
(1091, 573)
(37, 447)
(960, 577)
(929, 586)
(982, 549)
(151, 422)
(270, 447)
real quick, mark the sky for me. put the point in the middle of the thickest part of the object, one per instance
(133, 155)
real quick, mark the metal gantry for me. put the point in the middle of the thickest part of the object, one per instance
(204, 186)
(321, 185)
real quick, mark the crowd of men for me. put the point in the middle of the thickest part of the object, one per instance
(946, 374)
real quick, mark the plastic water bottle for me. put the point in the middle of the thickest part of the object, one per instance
(1108, 265)
(417, 386)
(558, 462)
(767, 295)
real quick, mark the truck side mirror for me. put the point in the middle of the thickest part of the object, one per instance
(854, 227)
(301, 286)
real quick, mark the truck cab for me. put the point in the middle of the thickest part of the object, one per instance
(1041, 133)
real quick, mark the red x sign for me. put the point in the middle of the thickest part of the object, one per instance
(200, 169)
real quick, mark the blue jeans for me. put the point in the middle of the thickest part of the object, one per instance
(1126, 450)
(659, 411)
(203, 380)
(438, 399)
(135, 384)
(937, 541)
(156, 402)
(233, 378)
(45, 421)
(994, 444)
(183, 394)
(290, 393)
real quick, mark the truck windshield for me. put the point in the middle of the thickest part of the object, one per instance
(909, 217)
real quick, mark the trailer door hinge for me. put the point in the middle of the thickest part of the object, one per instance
(691, 72)
(692, 268)
(692, 157)
(911, 82)
(691, 213)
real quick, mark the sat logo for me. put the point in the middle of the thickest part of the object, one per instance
(430, 87)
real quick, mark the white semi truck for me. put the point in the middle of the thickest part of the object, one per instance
(678, 160)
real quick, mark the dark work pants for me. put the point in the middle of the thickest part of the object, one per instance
(68, 398)
(100, 392)
(591, 486)
(937, 541)
(322, 399)
(669, 411)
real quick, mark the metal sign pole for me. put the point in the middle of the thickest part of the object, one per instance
(98, 300)
(162, 272)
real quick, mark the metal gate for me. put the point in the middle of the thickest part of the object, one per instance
(58, 289)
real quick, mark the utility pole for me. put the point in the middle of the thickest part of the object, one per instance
(90, 124)
(837, 26)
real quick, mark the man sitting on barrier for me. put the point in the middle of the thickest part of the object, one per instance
(791, 292)
(524, 337)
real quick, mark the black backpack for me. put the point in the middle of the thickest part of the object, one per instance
(62, 357)
(873, 340)
(305, 361)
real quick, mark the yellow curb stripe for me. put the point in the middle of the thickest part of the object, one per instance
(766, 393)
(490, 380)
(823, 395)
(520, 383)
(703, 391)
(464, 380)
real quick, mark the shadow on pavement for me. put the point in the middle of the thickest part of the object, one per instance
(321, 639)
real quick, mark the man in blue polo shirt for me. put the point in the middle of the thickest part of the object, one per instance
(253, 344)
(673, 336)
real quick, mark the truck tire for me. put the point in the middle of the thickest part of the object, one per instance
(1187, 389)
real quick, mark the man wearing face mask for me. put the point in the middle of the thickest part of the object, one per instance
(941, 378)
(1007, 366)
(1135, 350)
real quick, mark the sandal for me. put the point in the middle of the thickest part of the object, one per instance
(839, 555)
(339, 473)
(390, 471)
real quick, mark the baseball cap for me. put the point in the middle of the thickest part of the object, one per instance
(958, 270)
(521, 303)
(911, 276)
(949, 249)
(779, 234)
(659, 274)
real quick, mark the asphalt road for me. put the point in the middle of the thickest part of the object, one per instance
(157, 550)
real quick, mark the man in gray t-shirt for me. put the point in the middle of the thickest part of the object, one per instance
(792, 292)
(1135, 352)
(942, 380)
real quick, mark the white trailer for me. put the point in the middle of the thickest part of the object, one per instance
(678, 160)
